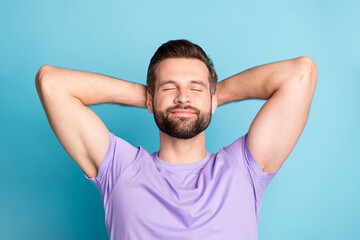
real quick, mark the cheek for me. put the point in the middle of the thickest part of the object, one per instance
(163, 101)
(160, 104)
(206, 101)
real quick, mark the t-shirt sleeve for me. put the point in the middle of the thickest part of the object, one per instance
(120, 154)
(259, 179)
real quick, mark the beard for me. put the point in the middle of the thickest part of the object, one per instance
(182, 127)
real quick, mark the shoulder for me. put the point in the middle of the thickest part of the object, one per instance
(239, 150)
(236, 147)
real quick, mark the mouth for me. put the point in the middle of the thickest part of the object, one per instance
(183, 112)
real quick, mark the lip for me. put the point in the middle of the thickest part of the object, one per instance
(183, 112)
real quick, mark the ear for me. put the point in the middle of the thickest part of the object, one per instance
(149, 102)
(214, 102)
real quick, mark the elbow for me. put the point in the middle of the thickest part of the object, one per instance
(42, 73)
(308, 63)
(42, 77)
(308, 69)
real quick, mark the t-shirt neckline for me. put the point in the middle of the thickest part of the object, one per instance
(174, 166)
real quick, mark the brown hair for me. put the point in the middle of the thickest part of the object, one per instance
(179, 49)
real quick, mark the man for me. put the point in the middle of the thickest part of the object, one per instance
(182, 191)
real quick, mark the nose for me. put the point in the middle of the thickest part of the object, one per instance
(182, 97)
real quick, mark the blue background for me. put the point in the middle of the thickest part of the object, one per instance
(44, 194)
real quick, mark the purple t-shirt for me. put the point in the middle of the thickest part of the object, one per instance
(144, 197)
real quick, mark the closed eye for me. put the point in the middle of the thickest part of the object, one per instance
(199, 90)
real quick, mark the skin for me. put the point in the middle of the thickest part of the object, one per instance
(288, 86)
(180, 94)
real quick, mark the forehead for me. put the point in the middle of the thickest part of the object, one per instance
(182, 70)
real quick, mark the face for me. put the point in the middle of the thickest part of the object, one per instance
(182, 104)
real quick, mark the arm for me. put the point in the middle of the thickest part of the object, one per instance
(64, 94)
(288, 86)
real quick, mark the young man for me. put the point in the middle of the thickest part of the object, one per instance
(182, 191)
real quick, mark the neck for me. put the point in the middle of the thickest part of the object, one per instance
(182, 151)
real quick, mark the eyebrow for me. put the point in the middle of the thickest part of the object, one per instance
(192, 81)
